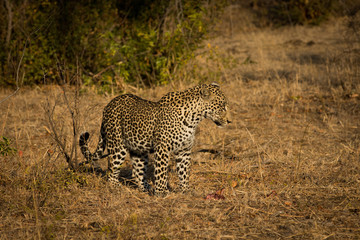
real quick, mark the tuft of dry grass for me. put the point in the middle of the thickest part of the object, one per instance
(289, 162)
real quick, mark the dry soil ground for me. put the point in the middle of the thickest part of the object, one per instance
(289, 162)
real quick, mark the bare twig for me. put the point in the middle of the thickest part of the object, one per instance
(75, 115)
(102, 71)
(71, 154)
(53, 130)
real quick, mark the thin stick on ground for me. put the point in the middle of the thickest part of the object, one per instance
(297, 168)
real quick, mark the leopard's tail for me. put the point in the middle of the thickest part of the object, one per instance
(98, 154)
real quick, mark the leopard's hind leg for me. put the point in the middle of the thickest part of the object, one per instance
(117, 154)
(140, 164)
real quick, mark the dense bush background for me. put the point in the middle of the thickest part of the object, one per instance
(109, 43)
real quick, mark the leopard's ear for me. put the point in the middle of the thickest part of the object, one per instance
(205, 93)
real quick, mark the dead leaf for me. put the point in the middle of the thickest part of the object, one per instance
(218, 195)
(234, 183)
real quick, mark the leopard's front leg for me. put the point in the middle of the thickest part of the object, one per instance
(183, 169)
(161, 158)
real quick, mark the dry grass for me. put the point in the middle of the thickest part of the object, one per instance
(289, 162)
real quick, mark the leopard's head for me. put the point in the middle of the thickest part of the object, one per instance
(216, 104)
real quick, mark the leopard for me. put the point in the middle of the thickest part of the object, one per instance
(165, 128)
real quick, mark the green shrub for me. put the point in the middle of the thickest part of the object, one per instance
(142, 42)
(5, 148)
